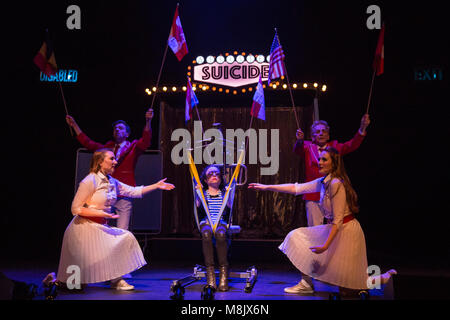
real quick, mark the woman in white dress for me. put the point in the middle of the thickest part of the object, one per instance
(100, 252)
(335, 252)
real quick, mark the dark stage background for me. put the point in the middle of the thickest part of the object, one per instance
(400, 172)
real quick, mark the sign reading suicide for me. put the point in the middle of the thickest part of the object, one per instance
(232, 71)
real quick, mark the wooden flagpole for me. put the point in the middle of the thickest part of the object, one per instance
(289, 85)
(159, 75)
(161, 68)
(65, 104)
(370, 91)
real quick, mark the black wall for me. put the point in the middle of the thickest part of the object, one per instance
(400, 172)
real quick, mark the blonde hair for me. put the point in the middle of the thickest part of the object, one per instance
(97, 158)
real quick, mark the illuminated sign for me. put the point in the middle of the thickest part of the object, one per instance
(429, 74)
(61, 76)
(232, 71)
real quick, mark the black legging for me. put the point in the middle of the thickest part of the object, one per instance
(221, 244)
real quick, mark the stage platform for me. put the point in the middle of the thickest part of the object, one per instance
(170, 259)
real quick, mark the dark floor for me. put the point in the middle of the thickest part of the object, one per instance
(153, 282)
(172, 259)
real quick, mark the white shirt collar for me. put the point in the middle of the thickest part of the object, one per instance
(102, 176)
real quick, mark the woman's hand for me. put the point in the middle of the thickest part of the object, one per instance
(318, 249)
(164, 185)
(257, 186)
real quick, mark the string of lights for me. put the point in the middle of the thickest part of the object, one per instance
(224, 69)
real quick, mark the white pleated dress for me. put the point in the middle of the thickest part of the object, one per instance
(101, 252)
(344, 263)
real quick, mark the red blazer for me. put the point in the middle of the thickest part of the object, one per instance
(308, 151)
(124, 171)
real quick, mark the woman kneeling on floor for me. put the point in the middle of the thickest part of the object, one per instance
(335, 252)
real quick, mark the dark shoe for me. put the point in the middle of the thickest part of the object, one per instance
(211, 276)
(223, 279)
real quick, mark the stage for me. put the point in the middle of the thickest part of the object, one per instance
(170, 259)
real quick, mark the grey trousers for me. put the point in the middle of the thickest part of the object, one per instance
(123, 207)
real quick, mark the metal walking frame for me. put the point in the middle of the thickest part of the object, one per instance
(233, 176)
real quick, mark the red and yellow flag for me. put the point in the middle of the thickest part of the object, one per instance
(45, 58)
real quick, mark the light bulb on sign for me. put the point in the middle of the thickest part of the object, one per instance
(260, 58)
(200, 59)
(230, 59)
(220, 59)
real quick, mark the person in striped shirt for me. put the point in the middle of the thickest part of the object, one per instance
(214, 191)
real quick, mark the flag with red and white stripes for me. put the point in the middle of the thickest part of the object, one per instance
(276, 65)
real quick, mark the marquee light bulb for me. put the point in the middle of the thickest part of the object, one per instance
(230, 59)
(220, 59)
(260, 58)
(200, 59)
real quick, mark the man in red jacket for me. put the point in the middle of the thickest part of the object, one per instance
(309, 152)
(126, 153)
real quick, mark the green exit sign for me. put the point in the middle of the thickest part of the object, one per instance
(428, 74)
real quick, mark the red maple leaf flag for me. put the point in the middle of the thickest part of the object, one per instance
(176, 41)
(45, 58)
(378, 62)
(258, 106)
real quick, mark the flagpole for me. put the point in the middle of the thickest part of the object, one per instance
(370, 92)
(65, 104)
(248, 136)
(159, 75)
(289, 86)
(160, 69)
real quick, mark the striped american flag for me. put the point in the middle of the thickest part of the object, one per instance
(276, 65)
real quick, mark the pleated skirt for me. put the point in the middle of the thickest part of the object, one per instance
(101, 252)
(344, 264)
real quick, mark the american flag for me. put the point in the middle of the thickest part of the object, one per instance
(276, 66)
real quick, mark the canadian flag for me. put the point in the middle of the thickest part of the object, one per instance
(258, 106)
(176, 41)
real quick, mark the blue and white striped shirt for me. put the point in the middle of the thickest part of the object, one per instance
(214, 205)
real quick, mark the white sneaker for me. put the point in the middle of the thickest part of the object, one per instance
(121, 285)
(301, 287)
